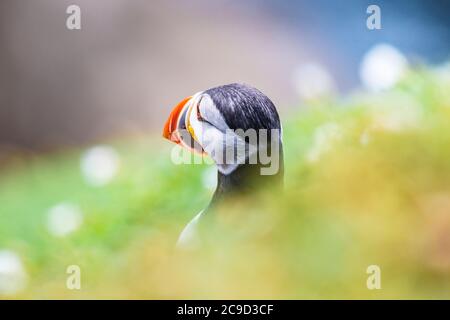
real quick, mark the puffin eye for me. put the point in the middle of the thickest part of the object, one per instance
(199, 116)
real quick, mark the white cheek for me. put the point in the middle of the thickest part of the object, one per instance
(217, 140)
(209, 112)
(207, 135)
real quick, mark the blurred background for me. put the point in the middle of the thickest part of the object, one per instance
(133, 60)
(86, 179)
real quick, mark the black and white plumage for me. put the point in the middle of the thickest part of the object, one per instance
(218, 119)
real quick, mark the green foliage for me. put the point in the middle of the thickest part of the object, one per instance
(367, 182)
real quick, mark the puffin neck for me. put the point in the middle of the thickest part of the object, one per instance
(245, 179)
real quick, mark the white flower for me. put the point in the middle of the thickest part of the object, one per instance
(99, 165)
(63, 219)
(312, 80)
(324, 137)
(13, 277)
(382, 67)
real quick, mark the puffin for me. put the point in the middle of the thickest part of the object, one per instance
(239, 128)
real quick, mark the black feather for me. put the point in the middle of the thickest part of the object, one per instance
(244, 107)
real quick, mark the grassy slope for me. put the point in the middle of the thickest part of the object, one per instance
(368, 182)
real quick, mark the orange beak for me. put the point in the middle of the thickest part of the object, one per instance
(177, 130)
(170, 128)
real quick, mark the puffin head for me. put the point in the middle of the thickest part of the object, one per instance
(237, 126)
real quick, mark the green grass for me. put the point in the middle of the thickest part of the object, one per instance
(367, 182)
